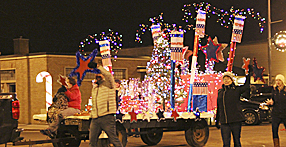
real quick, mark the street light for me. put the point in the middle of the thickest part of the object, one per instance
(279, 41)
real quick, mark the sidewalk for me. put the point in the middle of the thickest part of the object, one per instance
(32, 127)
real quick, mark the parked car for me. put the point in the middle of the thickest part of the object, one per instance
(254, 107)
(9, 115)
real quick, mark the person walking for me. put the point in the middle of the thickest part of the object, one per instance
(278, 101)
(229, 116)
(103, 107)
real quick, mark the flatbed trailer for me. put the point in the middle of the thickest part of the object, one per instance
(74, 129)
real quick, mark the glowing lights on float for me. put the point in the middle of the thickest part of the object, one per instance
(114, 38)
(166, 28)
(224, 17)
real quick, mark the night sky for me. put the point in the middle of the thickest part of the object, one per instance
(59, 25)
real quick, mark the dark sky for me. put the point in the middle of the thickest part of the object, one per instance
(59, 25)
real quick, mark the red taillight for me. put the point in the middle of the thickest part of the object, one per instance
(16, 109)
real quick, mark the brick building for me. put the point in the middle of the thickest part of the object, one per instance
(19, 72)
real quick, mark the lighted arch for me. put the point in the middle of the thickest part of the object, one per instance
(40, 78)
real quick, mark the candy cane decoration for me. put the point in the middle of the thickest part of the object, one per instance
(40, 78)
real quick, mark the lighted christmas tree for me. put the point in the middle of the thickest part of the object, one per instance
(158, 79)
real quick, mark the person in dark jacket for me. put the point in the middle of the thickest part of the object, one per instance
(278, 101)
(229, 112)
(117, 92)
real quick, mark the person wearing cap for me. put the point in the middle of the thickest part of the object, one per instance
(229, 116)
(103, 107)
(278, 101)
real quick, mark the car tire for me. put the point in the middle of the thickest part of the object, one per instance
(251, 117)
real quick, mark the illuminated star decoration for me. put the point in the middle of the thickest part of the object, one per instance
(147, 115)
(82, 66)
(160, 115)
(245, 65)
(257, 71)
(119, 116)
(133, 115)
(219, 54)
(62, 80)
(175, 114)
(211, 50)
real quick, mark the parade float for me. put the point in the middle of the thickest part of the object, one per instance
(172, 97)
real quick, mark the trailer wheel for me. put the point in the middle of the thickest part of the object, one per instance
(74, 142)
(68, 143)
(153, 135)
(197, 134)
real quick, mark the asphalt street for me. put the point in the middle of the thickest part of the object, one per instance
(252, 136)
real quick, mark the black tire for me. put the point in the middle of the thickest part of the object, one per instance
(251, 117)
(68, 143)
(198, 134)
(153, 136)
(72, 142)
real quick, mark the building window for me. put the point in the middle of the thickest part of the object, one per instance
(119, 73)
(88, 75)
(7, 75)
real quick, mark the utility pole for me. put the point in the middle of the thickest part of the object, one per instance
(269, 41)
(269, 44)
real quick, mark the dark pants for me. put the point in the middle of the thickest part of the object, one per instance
(227, 130)
(275, 125)
(107, 124)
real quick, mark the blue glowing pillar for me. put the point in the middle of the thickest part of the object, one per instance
(172, 95)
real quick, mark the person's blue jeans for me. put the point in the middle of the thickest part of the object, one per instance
(107, 124)
(275, 125)
(227, 130)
